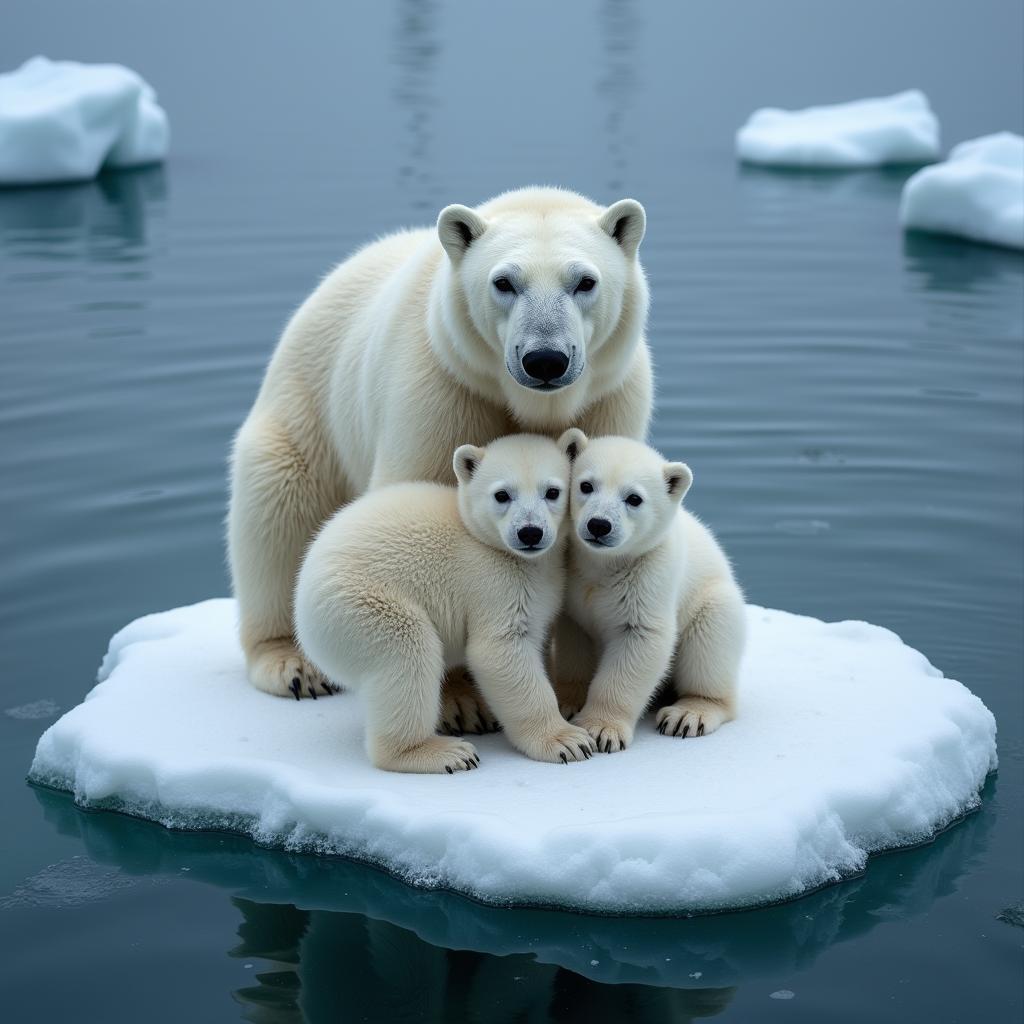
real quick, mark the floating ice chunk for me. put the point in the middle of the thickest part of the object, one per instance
(63, 121)
(848, 742)
(896, 129)
(977, 193)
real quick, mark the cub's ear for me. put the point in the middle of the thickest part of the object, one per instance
(467, 457)
(572, 442)
(459, 227)
(626, 222)
(677, 478)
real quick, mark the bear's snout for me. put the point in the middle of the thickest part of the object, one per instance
(545, 364)
(599, 527)
(531, 536)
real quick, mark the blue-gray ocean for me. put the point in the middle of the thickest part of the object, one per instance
(849, 398)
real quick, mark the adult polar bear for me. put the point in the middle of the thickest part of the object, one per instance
(525, 314)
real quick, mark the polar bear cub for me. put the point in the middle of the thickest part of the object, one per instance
(413, 578)
(649, 593)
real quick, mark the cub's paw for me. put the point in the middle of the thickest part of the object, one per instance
(434, 756)
(691, 716)
(463, 708)
(610, 734)
(560, 745)
(277, 667)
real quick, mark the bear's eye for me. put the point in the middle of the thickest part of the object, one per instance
(504, 285)
(502, 497)
(586, 285)
(586, 487)
(634, 500)
(552, 494)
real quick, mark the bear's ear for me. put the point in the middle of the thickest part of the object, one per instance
(466, 459)
(572, 442)
(459, 227)
(626, 222)
(677, 479)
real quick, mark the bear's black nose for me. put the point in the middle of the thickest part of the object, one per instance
(531, 536)
(545, 364)
(599, 527)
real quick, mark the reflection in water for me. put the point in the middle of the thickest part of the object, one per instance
(620, 28)
(100, 221)
(417, 49)
(769, 188)
(316, 961)
(367, 940)
(940, 263)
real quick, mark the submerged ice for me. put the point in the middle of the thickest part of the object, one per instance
(978, 193)
(63, 121)
(896, 129)
(848, 742)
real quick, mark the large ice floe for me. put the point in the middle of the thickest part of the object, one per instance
(898, 129)
(978, 193)
(849, 742)
(63, 121)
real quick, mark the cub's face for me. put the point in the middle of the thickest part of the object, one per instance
(544, 291)
(624, 496)
(513, 494)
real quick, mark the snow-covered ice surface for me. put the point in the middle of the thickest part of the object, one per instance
(63, 121)
(978, 193)
(849, 742)
(898, 129)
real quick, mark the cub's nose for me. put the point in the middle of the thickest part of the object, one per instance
(531, 536)
(545, 364)
(599, 527)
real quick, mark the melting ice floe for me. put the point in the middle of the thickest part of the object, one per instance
(865, 133)
(978, 193)
(849, 742)
(63, 121)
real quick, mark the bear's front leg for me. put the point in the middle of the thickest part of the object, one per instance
(636, 659)
(510, 672)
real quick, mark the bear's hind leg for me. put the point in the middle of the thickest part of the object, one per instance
(402, 691)
(278, 501)
(706, 670)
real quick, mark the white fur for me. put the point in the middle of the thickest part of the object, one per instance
(653, 596)
(414, 578)
(407, 349)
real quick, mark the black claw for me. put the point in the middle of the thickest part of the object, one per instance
(565, 760)
(663, 726)
(327, 689)
(312, 692)
(686, 730)
(700, 728)
(295, 688)
(448, 769)
(675, 731)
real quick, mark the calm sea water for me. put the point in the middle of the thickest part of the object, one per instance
(850, 399)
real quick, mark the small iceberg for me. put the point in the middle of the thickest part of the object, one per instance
(848, 742)
(898, 129)
(978, 193)
(63, 121)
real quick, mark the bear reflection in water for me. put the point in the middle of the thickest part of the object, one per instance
(323, 966)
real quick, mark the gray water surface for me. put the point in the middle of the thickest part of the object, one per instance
(850, 401)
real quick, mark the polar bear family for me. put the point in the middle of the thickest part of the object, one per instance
(524, 314)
